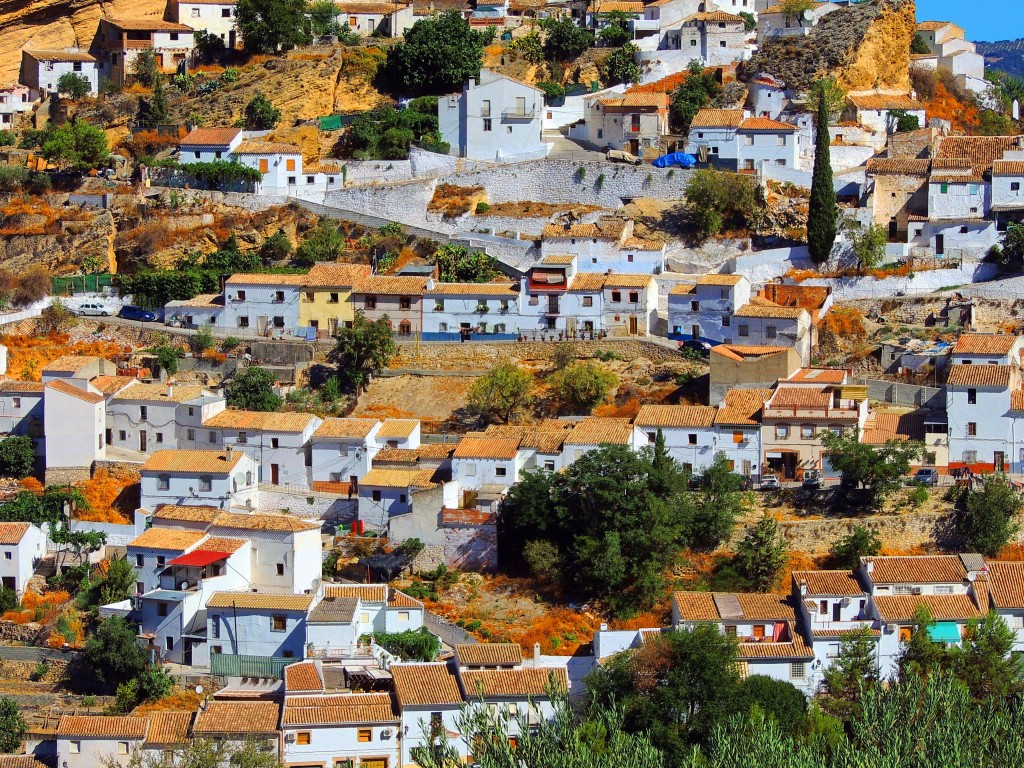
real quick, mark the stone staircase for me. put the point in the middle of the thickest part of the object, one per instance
(45, 568)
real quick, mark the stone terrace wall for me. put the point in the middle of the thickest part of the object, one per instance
(474, 357)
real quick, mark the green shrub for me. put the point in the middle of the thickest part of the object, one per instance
(482, 208)
(473, 626)
(39, 672)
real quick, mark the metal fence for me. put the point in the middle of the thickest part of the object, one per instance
(910, 395)
(238, 665)
(72, 284)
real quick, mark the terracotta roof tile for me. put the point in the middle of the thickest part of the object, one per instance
(303, 676)
(979, 376)
(210, 137)
(265, 278)
(501, 449)
(820, 375)
(587, 281)
(177, 393)
(800, 397)
(191, 462)
(110, 385)
(623, 280)
(22, 387)
(260, 601)
(355, 429)
(993, 344)
(606, 228)
(682, 289)
(147, 25)
(489, 654)
(645, 99)
(221, 544)
(388, 285)
(831, 583)
(336, 275)
(1008, 168)
(926, 569)
(1017, 400)
(368, 593)
(932, 26)
(338, 709)
(175, 539)
(596, 430)
(60, 55)
(899, 166)
(12, 533)
(769, 309)
(697, 416)
(259, 420)
(740, 352)
(65, 388)
(742, 407)
(720, 279)
(717, 118)
(1006, 583)
(980, 151)
(425, 685)
(941, 607)
(505, 290)
(453, 517)
(321, 167)
(703, 606)
(21, 761)
(186, 513)
(397, 429)
(882, 427)
(254, 147)
(102, 727)
(843, 632)
(246, 717)
(398, 478)
(716, 16)
(533, 682)
(168, 727)
(883, 101)
(765, 124)
(69, 363)
(795, 649)
(262, 522)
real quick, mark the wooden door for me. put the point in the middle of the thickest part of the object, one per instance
(274, 474)
(999, 461)
(142, 440)
(940, 245)
(632, 325)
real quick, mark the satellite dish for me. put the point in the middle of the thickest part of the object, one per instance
(808, 15)
(183, 586)
(314, 585)
(240, 478)
(199, 690)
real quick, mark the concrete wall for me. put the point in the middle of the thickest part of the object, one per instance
(920, 282)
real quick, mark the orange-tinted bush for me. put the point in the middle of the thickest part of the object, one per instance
(144, 143)
(845, 323)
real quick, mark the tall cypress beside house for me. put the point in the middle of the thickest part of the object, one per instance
(823, 214)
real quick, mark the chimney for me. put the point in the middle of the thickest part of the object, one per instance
(229, 452)
(170, 389)
(803, 588)
(536, 650)
(604, 627)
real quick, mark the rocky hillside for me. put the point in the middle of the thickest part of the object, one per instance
(58, 24)
(864, 46)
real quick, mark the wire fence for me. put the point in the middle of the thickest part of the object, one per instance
(72, 284)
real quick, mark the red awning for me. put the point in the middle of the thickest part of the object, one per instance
(199, 558)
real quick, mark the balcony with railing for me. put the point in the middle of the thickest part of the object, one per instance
(519, 113)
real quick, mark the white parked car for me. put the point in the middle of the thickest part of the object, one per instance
(94, 308)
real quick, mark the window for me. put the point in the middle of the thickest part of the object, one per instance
(797, 670)
(691, 439)
(616, 296)
(16, 402)
(303, 738)
(771, 332)
(634, 297)
(944, 590)
(695, 306)
(744, 330)
(76, 747)
(364, 735)
(243, 322)
(161, 609)
(122, 435)
(758, 630)
(403, 615)
(782, 431)
(163, 482)
(970, 457)
(487, 124)
(160, 561)
(376, 495)
(370, 302)
(205, 483)
(730, 630)
(405, 302)
(600, 133)
(693, 42)
(780, 162)
(972, 428)
(944, 189)
(1015, 186)
(726, 321)
(225, 13)
(139, 561)
(972, 397)
(280, 569)
(748, 140)
(195, 13)
(278, 623)
(291, 180)
(143, 412)
(500, 471)
(781, 140)
(169, 643)
(243, 438)
(549, 466)
(215, 627)
(190, 434)
(275, 442)
(807, 431)
(212, 436)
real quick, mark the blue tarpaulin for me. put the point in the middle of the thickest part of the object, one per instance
(681, 159)
(944, 632)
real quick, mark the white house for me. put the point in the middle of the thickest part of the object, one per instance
(278, 443)
(23, 545)
(15, 100)
(74, 422)
(121, 40)
(217, 17)
(400, 433)
(386, 19)
(518, 696)
(380, 608)
(21, 409)
(983, 434)
(340, 728)
(988, 349)
(85, 741)
(715, 38)
(204, 145)
(766, 96)
(494, 119)
(874, 110)
(237, 722)
(343, 452)
(222, 479)
(831, 604)
(1007, 195)
(262, 304)
(774, 22)
(152, 417)
(704, 311)
(606, 245)
(258, 624)
(386, 493)
(478, 311)
(950, 50)
(738, 429)
(689, 433)
(630, 304)
(481, 460)
(764, 323)
(633, 121)
(149, 552)
(712, 137)
(41, 70)
(429, 702)
(766, 144)
(80, 368)
(594, 432)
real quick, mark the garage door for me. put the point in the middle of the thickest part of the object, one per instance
(373, 762)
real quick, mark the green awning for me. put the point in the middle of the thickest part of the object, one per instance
(944, 632)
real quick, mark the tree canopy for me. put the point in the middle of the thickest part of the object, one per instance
(583, 385)
(73, 86)
(363, 350)
(17, 456)
(690, 96)
(253, 390)
(437, 55)
(823, 210)
(386, 133)
(762, 554)
(267, 26)
(12, 725)
(876, 470)
(112, 652)
(987, 521)
(501, 393)
(458, 264)
(75, 145)
(566, 39)
(261, 114)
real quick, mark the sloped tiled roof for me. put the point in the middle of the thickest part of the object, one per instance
(268, 422)
(768, 309)
(742, 407)
(907, 569)
(210, 137)
(739, 352)
(214, 462)
(169, 727)
(766, 124)
(703, 606)
(356, 429)
(587, 281)
(380, 477)
(69, 363)
(334, 610)
(12, 533)
(173, 539)
(717, 118)
(368, 593)
(883, 101)
(626, 280)
(489, 654)
(147, 25)
(1006, 583)
(102, 727)
(820, 375)
(260, 601)
(794, 649)
(66, 388)
(800, 397)
(720, 279)
(157, 393)
(335, 275)
(514, 683)
(183, 512)
(23, 387)
(980, 151)
(425, 685)
(994, 344)
(596, 430)
(716, 17)
(1008, 168)
(391, 285)
(338, 709)
(831, 583)
(109, 385)
(254, 147)
(263, 522)
(882, 427)
(675, 416)
(303, 676)
(899, 166)
(979, 376)
(502, 449)
(932, 26)
(246, 717)
(59, 55)
(505, 290)
(941, 607)
(397, 429)
(261, 278)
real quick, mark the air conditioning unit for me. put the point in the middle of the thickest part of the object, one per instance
(385, 734)
(846, 602)
(289, 737)
(915, 591)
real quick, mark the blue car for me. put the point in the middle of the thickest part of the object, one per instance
(129, 312)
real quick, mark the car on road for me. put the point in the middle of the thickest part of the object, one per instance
(812, 479)
(128, 312)
(770, 483)
(93, 309)
(926, 476)
(702, 348)
(621, 156)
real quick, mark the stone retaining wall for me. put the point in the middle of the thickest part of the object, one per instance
(67, 475)
(12, 632)
(476, 356)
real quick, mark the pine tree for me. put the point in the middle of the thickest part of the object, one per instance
(158, 104)
(823, 215)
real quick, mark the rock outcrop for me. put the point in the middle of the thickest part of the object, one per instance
(865, 47)
(59, 24)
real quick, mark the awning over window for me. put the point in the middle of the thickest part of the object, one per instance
(199, 558)
(944, 632)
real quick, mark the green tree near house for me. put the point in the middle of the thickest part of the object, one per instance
(850, 674)
(621, 66)
(987, 521)
(868, 245)
(323, 17)
(985, 660)
(690, 96)
(565, 39)
(12, 726)
(860, 542)
(363, 350)
(715, 505)
(919, 46)
(501, 393)
(458, 264)
(73, 86)
(762, 554)
(615, 32)
(905, 122)
(145, 69)
(253, 390)
(267, 26)
(76, 146)
(823, 211)
(583, 385)
(17, 456)
(261, 114)
(876, 470)
(437, 55)
(325, 242)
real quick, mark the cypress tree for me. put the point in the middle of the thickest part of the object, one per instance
(823, 215)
